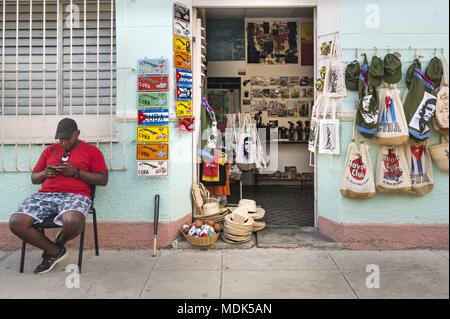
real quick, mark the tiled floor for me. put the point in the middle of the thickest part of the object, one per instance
(286, 206)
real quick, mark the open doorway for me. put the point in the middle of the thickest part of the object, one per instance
(260, 61)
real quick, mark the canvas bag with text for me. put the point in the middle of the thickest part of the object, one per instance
(314, 126)
(392, 175)
(392, 128)
(358, 181)
(329, 130)
(420, 167)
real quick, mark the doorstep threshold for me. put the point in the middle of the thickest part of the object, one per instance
(294, 237)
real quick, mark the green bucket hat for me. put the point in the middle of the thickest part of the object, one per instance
(434, 71)
(352, 75)
(376, 71)
(392, 69)
(410, 73)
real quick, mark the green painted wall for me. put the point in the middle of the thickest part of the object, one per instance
(403, 24)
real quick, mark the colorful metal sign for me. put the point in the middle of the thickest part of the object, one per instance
(183, 78)
(152, 151)
(152, 99)
(184, 109)
(186, 124)
(152, 134)
(181, 13)
(181, 28)
(181, 44)
(154, 83)
(184, 94)
(152, 67)
(183, 61)
(153, 116)
(152, 168)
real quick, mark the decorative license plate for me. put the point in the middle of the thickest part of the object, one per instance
(153, 117)
(186, 124)
(183, 78)
(184, 108)
(152, 67)
(181, 44)
(152, 151)
(153, 134)
(181, 28)
(153, 83)
(183, 61)
(152, 99)
(181, 12)
(152, 168)
(184, 94)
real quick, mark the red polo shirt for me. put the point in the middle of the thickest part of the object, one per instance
(84, 156)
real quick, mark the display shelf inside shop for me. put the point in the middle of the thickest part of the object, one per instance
(286, 142)
(299, 178)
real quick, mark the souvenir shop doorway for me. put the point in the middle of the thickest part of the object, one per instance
(259, 62)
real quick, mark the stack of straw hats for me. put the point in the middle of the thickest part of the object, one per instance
(256, 213)
(238, 226)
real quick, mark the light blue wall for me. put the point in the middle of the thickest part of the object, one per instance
(144, 28)
(403, 24)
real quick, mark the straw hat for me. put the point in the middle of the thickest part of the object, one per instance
(212, 209)
(238, 226)
(255, 212)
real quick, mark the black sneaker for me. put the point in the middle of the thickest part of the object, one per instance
(50, 261)
(57, 239)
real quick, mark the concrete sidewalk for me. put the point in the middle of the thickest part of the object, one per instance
(233, 273)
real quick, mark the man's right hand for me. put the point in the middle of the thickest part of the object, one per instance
(50, 172)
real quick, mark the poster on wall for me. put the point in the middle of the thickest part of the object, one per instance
(307, 43)
(272, 43)
(181, 13)
(152, 168)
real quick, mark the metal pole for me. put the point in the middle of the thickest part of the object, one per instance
(155, 225)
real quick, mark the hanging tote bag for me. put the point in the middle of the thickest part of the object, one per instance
(358, 181)
(392, 175)
(314, 126)
(368, 106)
(420, 167)
(439, 153)
(334, 85)
(419, 105)
(329, 131)
(441, 115)
(392, 127)
(245, 151)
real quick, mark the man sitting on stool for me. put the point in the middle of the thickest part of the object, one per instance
(66, 171)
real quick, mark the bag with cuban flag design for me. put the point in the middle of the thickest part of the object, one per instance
(420, 167)
(392, 174)
(392, 128)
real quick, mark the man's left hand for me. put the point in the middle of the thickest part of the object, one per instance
(68, 169)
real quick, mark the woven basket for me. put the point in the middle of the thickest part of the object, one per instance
(201, 241)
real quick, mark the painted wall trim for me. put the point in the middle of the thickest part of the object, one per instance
(112, 235)
(252, 3)
(386, 236)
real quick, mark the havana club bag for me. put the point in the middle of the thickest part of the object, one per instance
(358, 181)
(392, 126)
(392, 174)
(420, 167)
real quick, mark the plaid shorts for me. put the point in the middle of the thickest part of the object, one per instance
(43, 205)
